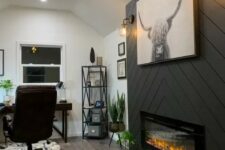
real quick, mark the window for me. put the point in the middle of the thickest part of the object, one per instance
(41, 74)
(40, 64)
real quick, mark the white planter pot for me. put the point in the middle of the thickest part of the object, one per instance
(8, 100)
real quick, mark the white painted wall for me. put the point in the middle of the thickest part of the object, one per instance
(111, 42)
(103, 15)
(39, 25)
(3, 4)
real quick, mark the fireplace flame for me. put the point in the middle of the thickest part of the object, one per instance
(164, 145)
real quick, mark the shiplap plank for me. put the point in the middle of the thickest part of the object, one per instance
(211, 32)
(214, 12)
(221, 3)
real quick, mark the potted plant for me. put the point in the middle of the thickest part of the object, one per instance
(113, 126)
(7, 85)
(120, 110)
(127, 139)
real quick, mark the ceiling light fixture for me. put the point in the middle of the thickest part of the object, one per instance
(43, 0)
(126, 21)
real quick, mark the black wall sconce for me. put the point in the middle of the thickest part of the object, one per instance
(126, 21)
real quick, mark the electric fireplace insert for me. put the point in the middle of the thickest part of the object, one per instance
(162, 133)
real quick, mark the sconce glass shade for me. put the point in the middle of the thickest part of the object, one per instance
(126, 21)
(123, 30)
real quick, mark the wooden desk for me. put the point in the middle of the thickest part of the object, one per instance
(64, 107)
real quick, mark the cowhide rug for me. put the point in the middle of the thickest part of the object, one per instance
(42, 145)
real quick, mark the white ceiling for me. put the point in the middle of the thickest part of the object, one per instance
(103, 15)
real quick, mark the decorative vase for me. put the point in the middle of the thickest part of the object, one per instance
(99, 61)
(92, 55)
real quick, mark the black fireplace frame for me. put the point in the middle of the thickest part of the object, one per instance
(197, 131)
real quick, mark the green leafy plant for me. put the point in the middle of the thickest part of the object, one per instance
(127, 139)
(120, 106)
(7, 85)
(113, 111)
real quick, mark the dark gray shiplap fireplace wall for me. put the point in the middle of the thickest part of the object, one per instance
(192, 90)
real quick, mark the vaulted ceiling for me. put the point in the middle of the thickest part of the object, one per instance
(102, 15)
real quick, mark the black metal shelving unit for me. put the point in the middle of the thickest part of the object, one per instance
(94, 88)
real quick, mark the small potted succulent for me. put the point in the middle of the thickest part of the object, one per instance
(120, 110)
(113, 126)
(7, 85)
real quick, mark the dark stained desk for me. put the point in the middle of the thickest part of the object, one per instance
(64, 107)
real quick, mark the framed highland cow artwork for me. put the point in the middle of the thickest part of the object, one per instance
(166, 30)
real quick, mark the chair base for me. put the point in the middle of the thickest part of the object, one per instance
(29, 146)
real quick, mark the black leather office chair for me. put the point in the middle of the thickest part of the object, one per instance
(34, 114)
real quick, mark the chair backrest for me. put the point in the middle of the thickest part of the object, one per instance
(34, 113)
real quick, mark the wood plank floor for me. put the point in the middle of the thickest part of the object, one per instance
(87, 144)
